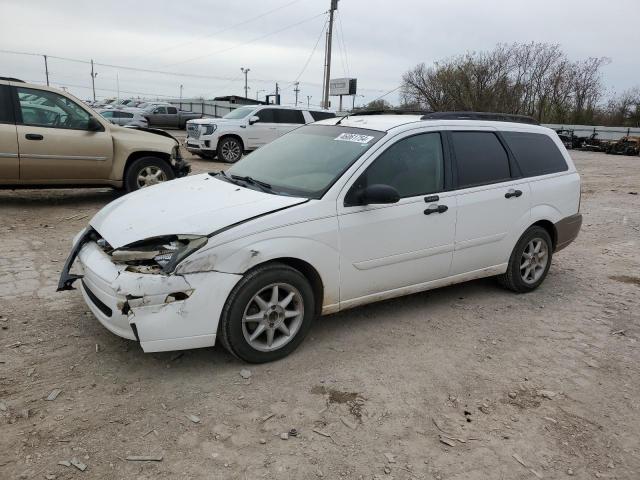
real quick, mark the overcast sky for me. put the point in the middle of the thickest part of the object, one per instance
(214, 38)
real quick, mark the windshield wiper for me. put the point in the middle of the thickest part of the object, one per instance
(265, 187)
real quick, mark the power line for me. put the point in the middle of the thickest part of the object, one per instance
(344, 45)
(226, 29)
(244, 43)
(313, 51)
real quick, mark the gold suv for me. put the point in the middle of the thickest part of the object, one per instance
(50, 138)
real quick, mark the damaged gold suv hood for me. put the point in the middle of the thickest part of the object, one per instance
(195, 205)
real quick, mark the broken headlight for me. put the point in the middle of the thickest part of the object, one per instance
(163, 253)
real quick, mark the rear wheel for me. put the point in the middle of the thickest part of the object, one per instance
(230, 149)
(145, 172)
(268, 314)
(530, 261)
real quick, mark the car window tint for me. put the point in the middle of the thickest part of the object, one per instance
(126, 115)
(48, 109)
(6, 108)
(266, 115)
(481, 158)
(536, 154)
(108, 114)
(289, 116)
(172, 110)
(413, 166)
(160, 110)
(322, 115)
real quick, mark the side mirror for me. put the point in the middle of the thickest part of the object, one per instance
(253, 119)
(376, 195)
(94, 125)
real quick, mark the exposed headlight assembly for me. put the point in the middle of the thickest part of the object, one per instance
(209, 129)
(160, 254)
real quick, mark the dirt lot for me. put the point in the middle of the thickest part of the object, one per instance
(466, 382)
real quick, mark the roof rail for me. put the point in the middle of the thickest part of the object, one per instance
(496, 117)
(10, 79)
(394, 111)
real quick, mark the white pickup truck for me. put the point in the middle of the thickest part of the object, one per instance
(245, 129)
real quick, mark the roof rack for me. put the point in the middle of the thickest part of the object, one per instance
(394, 111)
(10, 79)
(496, 117)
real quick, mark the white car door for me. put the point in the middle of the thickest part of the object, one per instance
(491, 203)
(265, 130)
(388, 247)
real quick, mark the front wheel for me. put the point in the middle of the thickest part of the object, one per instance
(145, 172)
(230, 150)
(268, 314)
(530, 261)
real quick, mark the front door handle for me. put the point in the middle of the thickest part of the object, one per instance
(436, 209)
(431, 198)
(513, 193)
(33, 136)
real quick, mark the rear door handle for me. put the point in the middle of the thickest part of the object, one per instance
(33, 136)
(436, 209)
(513, 193)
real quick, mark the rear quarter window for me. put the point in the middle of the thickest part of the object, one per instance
(536, 153)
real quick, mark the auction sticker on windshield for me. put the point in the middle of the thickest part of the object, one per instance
(354, 137)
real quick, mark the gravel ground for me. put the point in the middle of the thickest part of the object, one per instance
(465, 382)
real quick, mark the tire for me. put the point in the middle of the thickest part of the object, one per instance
(516, 278)
(236, 335)
(148, 167)
(230, 149)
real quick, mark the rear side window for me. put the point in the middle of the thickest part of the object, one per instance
(535, 153)
(481, 159)
(172, 110)
(322, 115)
(289, 116)
(126, 115)
(6, 106)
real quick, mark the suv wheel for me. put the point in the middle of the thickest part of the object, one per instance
(147, 171)
(530, 261)
(230, 150)
(268, 314)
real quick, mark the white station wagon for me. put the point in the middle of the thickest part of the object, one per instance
(333, 215)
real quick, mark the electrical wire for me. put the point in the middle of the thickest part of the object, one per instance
(313, 51)
(344, 45)
(226, 29)
(244, 43)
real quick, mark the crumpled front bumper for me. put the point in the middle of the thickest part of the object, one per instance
(162, 312)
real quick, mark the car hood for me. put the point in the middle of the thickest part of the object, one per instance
(195, 205)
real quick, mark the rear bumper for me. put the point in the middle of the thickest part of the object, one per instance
(140, 307)
(567, 230)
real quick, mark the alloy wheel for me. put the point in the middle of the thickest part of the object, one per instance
(534, 260)
(150, 176)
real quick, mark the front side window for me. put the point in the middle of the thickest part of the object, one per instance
(266, 115)
(413, 166)
(48, 109)
(108, 114)
(481, 159)
(535, 153)
(289, 116)
(160, 110)
(307, 161)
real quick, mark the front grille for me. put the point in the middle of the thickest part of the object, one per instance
(96, 301)
(193, 131)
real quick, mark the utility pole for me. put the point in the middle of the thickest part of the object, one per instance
(308, 100)
(246, 88)
(118, 85)
(297, 90)
(181, 87)
(277, 94)
(93, 81)
(46, 69)
(327, 55)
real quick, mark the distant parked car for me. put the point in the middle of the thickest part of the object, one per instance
(124, 118)
(168, 116)
(246, 129)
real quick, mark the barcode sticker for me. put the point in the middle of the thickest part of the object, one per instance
(354, 137)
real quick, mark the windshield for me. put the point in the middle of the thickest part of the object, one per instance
(239, 113)
(308, 160)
